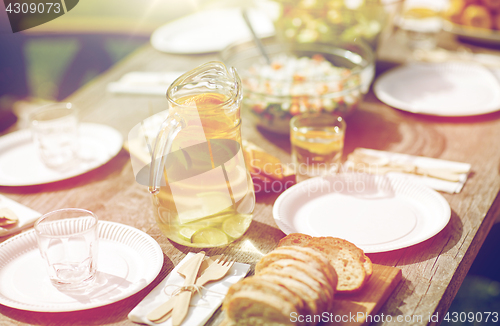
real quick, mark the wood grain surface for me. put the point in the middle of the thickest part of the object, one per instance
(432, 271)
(362, 308)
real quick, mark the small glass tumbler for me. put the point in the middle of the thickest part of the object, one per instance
(421, 21)
(55, 134)
(69, 242)
(317, 144)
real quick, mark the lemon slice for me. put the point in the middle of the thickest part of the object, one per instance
(320, 143)
(187, 232)
(235, 226)
(210, 237)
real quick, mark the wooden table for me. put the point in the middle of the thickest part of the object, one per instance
(432, 271)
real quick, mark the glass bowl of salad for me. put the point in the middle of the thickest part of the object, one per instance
(307, 21)
(301, 78)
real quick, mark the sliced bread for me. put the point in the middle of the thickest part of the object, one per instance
(357, 252)
(307, 255)
(259, 308)
(266, 286)
(311, 299)
(317, 275)
(323, 298)
(350, 271)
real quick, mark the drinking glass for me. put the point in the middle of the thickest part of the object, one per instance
(55, 134)
(317, 144)
(421, 21)
(68, 241)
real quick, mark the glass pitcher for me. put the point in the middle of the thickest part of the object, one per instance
(203, 194)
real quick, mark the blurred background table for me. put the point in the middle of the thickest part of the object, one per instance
(432, 270)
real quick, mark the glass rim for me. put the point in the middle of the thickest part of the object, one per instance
(42, 218)
(336, 117)
(246, 50)
(71, 109)
(181, 81)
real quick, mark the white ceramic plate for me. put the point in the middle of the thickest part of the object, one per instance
(472, 33)
(129, 260)
(376, 213)
(209, 31)
(441, 89)
(20, 164)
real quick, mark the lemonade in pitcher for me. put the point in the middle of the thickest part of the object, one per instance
(203, 194)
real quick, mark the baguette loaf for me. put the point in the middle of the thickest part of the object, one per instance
(301, 276)
(301, 279)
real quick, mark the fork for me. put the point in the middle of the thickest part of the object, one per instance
(217, 270)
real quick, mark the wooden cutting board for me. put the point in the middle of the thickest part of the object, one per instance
(367, 302)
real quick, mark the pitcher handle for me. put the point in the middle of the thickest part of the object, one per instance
(163, 144)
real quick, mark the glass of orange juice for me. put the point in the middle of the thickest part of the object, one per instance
(317, 144)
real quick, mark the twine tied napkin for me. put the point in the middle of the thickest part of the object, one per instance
(201, 309)
(144, 83)
(442, 175)
(12, 209)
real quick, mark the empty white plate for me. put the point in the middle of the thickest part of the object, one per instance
(441, 89)
(209, 31)
(376, 213)
(20, 164)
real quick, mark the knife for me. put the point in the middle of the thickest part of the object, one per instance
(181, 306)
(160, 312)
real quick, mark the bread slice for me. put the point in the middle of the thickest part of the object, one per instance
(350, 271)
(259, 308)
(311, 298)
(266, 286)
(299, 239)
(317, 275)
(294, 239)
(357, 252)
(324, 299)
(307, 255)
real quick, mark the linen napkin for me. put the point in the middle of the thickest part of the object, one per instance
(421, 162)
(201, 309)
(144, 83)
(26, 216)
